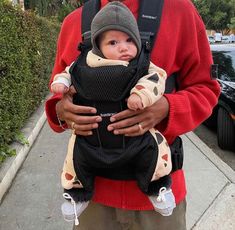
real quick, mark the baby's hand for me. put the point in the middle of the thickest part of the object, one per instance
(134, 102)
(59, 88)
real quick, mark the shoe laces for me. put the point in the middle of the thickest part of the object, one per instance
(67, 196)
(161, 196)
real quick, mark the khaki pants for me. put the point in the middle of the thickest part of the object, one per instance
(99, 217)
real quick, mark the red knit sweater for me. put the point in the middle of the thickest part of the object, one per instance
(182, 47)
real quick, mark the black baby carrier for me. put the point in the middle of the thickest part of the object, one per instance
(106, 88)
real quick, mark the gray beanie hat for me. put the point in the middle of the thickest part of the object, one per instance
(114, 16)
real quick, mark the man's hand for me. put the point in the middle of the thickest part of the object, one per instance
(135, 123)
(74, 116)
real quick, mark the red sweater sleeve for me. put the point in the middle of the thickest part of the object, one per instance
(68, 40)
(197, 94)
(191, 59)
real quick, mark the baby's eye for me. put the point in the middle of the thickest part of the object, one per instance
(129, 40)
(113, 42)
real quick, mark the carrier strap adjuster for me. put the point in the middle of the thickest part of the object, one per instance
(81, 46)
(146, 38)
(86, 35)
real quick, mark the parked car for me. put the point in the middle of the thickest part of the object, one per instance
(226, 39)
(223, 116)
(232, 37)
(211, 39)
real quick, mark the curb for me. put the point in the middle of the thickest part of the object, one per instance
(221, 213)
(11, 165)
(221, 165)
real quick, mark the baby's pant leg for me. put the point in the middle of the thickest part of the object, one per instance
(164, 163)
(68, 175)
(153, 166)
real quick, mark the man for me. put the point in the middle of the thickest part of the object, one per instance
(174, 114)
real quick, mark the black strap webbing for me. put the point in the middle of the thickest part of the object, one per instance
(149, 20)
(90, 8)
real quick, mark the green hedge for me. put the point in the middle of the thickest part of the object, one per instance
(27, 52)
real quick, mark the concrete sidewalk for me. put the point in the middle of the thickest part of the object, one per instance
(34, 198)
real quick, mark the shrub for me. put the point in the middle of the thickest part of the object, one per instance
(65, 9)
(27, 51)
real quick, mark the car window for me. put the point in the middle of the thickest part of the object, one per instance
(226, 64)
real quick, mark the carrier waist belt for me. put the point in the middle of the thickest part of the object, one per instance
(127, 171)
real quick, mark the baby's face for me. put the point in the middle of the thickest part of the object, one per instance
(117, 45)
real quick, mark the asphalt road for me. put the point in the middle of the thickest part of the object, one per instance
(209, 137)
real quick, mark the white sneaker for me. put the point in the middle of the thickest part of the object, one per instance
(72, 210)
(164, 202)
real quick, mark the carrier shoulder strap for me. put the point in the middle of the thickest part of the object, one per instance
(149, 19)
(90, 8)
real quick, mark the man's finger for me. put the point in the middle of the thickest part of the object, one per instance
(123, 115)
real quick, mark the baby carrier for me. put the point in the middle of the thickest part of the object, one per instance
(106, 88)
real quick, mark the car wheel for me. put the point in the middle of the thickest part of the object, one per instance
(211, 122)
(225, 130)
